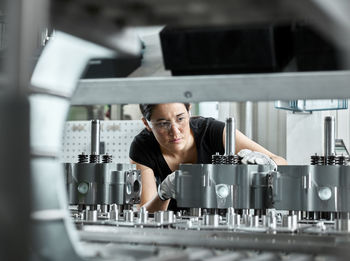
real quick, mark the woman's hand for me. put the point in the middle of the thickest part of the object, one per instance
(166, 189)
(254, 157)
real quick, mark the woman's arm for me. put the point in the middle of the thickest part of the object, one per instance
(243, 142)
(149, 194)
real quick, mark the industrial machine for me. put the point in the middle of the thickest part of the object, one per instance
(234, 212)
(99, 185)
(305, 209)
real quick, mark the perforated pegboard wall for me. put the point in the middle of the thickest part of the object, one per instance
(116, 135)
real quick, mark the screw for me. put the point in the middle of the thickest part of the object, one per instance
(188, 94)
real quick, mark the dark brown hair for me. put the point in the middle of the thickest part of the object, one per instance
(147, 108)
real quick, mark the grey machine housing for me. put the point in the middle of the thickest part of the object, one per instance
(102, 183)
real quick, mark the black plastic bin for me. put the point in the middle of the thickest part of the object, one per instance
(226, 50)
(314, 52)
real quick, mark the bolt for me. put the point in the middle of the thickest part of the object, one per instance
(188, 94)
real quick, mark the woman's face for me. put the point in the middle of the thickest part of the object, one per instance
(170, 125)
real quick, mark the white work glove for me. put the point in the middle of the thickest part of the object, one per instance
(254, 157)
(166, 189)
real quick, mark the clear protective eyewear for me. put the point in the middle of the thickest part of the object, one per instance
(165, 126)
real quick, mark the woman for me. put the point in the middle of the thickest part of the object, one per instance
(172, 137)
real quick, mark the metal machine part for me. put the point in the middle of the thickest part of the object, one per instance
(221, 186)
(311, 188)
(217, 233)
(230, 147)
(329, 157)
(322, 189)
(329, 136)
(102, 183)
(91, 183)
(95, 137)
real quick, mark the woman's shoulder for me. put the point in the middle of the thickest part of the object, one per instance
(143, 147)
(143, 137)
(199, 122)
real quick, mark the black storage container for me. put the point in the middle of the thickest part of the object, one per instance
(313, 52)
(111, 67)
(226, 50)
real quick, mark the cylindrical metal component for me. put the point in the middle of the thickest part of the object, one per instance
(230, 136)
(238, 220)
(342, 223)
(95, 137)
(254, 221)
(245, 219)
(169, 216)
(246, 216)
(91, 215)
(143, 215)
(195, 212)
(128, 215)
(114, 212)
(104, 208)
(329, 136)
(159, 217)
(264, 220)
(271, 221)
(248, 128)
(114, 215)
(231, 217)
(245, 211)
(290, 221)
(211, 220)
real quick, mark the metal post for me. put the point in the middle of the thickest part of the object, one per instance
(329, 136)
(248, 119)
(95, 137)
(230, 136)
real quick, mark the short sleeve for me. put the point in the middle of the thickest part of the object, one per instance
(140, 151)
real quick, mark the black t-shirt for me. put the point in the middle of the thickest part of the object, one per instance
(145, 149)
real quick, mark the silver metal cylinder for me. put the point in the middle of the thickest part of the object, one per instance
(211, 220)
(230, 136)
(254, 222)
(342, 223)
(91, 215)
(128, 215)
(329, 136)
(195, 212)
(238, 220)
(159, 217)
(290, 221)
(264, 221)
(104, 208)
(271, 221)
(231, 217)
(143, 215)
(169, 216)
(114, 212)
(95, 137)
